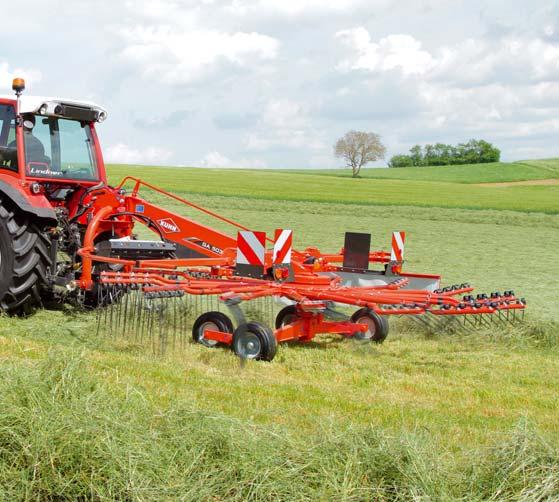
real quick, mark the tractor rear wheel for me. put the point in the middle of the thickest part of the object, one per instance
(25, 260)
(378, 325)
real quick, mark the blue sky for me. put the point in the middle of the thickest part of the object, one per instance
(274, 83)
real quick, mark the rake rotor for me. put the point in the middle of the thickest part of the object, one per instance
(158, 307)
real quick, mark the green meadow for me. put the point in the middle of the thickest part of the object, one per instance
(400, 187)
(424, 416)
(473, 173)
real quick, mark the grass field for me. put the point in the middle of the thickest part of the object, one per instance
(423, 416)
(474, 173)
(416, 190)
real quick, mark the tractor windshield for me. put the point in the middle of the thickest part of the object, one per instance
(58, 148)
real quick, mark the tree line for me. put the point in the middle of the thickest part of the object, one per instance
(475, 151)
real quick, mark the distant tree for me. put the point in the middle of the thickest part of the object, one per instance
(442, 154)
(358, 148)
(455, 156)
(430, 155)
(401, 161)
(474, 151)
(470, 152)
(416, 155)
(486, 152)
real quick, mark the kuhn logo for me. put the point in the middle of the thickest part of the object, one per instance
(168, 225)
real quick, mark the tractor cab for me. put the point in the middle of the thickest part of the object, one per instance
(50, 140)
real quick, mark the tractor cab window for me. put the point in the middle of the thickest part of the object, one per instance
(59, 148)
(8, 150)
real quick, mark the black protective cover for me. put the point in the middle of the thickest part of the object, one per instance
(135, 250)
(78, 113)
(244, 270)
(356, 250)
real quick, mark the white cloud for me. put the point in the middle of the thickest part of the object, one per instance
(472, 61)
(284, 124)
(511, 59)
(284, 114)
(273, 140)
(162, 10)
(295, 7)
(216, 159)
(122, 153)
(178, 57)
(402, 52)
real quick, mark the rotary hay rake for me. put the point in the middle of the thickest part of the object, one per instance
(161, 305)
(234, 297)
(66, 234)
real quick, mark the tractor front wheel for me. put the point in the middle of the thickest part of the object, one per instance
(253, 340)
(378, 325)
(25, 260)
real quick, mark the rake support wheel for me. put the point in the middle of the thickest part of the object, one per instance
(215, 321)
(253, 340)
(378, 325)
(25, 260)
(287, 315)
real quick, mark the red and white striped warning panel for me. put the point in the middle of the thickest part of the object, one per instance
(251, 248)
(398, 239)
(283, 243)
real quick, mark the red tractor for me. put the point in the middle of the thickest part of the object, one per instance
(52, 184)
(66, 234)
(50, 161)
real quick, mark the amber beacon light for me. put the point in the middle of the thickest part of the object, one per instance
(18, 85)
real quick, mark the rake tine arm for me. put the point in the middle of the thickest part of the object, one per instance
(394, 299)
(459, 291)
(251, 295)
(393, 286)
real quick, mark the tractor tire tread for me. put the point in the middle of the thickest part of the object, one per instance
(30, 260)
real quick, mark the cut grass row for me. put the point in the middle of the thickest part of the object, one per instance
(86, 418)
(281, 186)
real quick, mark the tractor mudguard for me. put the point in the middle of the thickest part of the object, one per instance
(37, 205)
